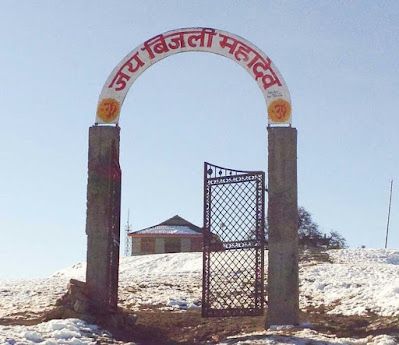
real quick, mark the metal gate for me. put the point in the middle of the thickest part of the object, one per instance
(234, 237)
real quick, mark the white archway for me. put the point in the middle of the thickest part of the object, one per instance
(104, 173)
(208, 40)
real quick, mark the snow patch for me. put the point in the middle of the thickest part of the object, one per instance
(356, 283)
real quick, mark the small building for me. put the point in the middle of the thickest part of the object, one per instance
(174, 235)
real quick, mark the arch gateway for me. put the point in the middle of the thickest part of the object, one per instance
(104, 174)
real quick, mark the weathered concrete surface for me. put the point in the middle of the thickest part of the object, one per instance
(99, 271)
(283, 281)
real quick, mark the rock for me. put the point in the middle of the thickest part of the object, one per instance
(71, 314)
(61, 301)
(55, 313)
(114, 320)
(76, 304)
(76, 287)
(78, 283)
(78, 296)
(130, 320)
(89, 318)
(80, 306)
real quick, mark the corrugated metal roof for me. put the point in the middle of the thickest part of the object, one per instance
(168, 230)
(172, 226)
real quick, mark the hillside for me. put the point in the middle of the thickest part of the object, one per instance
(346, 297)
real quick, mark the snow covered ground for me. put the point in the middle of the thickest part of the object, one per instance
(356, 283)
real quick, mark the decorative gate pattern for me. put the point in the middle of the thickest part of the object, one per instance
(233, 254)
(114, 229)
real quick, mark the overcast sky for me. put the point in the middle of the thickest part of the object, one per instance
(340, 60)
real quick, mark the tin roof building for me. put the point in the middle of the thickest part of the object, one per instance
(174, 235)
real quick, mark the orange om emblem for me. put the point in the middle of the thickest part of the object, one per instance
(108, 110)
(279, 111)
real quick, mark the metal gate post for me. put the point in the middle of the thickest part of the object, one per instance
(283, 281)
(103, 218)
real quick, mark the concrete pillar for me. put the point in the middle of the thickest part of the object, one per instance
(186, 244)
(159, 245)
(283, 281)
(102, 240)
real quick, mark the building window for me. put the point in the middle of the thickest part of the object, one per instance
(148, 245)
(172, 245)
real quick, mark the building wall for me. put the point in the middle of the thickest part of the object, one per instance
(136, 246)
(196, 245)
(159, 245)
(172, 245)
(186, 244)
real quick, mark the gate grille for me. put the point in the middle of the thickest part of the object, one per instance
(233, 254)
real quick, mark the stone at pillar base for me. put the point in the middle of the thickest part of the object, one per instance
(75, 304)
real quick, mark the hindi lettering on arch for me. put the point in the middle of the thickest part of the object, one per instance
(229, 42)
(156, 45)
(130, 65)
(177, 40)
(243, 52)
(121, 78)
(235, 48)
(262, 69)
(200, 36)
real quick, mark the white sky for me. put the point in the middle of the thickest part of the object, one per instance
(339, 59)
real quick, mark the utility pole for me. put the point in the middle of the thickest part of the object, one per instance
(389, 215)
(128, 229)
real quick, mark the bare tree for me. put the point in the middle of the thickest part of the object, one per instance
(337, 240)
(309, 234)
